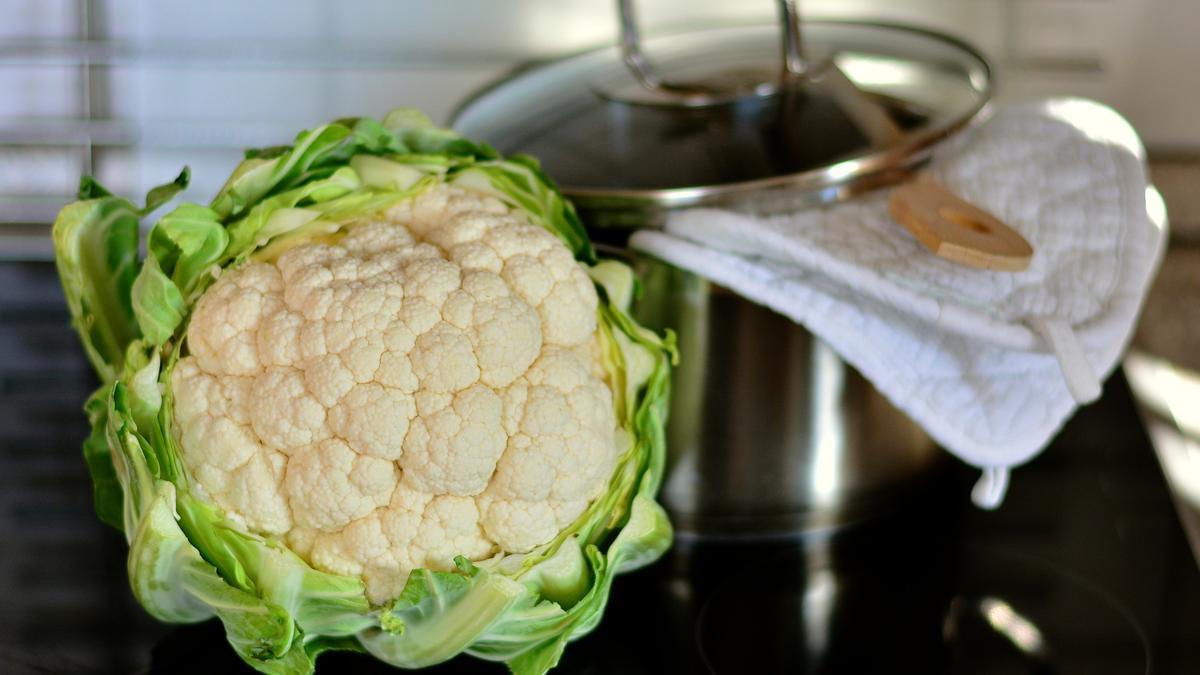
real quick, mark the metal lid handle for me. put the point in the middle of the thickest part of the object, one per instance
(794, 65)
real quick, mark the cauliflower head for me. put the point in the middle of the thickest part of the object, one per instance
(426, 385)
(379, 394)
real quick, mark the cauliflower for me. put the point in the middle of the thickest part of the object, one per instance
(379, 394)
(428, 385)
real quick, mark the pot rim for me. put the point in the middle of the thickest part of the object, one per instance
(861, 172)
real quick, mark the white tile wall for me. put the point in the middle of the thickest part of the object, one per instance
(24, 19)
(289, 98)
(1066, 32)
(39, 91)
(1157, 83)
(40, 171)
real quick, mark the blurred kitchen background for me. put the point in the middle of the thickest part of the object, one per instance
(131, 90)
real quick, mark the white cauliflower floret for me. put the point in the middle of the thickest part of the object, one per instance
(224, 331)
(282, 411)
(428, 386)
(337, 484)
(455, 450)
(558, 456)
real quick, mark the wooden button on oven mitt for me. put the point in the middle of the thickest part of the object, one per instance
(957, 230)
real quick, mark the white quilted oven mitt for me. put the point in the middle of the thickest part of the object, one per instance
(990, 363)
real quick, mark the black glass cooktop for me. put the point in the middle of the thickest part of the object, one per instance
(1085, 568)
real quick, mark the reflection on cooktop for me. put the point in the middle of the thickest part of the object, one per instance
(1019, 614)
(1084, 569)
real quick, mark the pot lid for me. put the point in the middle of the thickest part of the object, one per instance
(712, 117)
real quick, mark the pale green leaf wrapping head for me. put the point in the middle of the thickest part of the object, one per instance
(378, 395)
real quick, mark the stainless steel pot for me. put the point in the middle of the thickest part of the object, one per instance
(770, 434)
